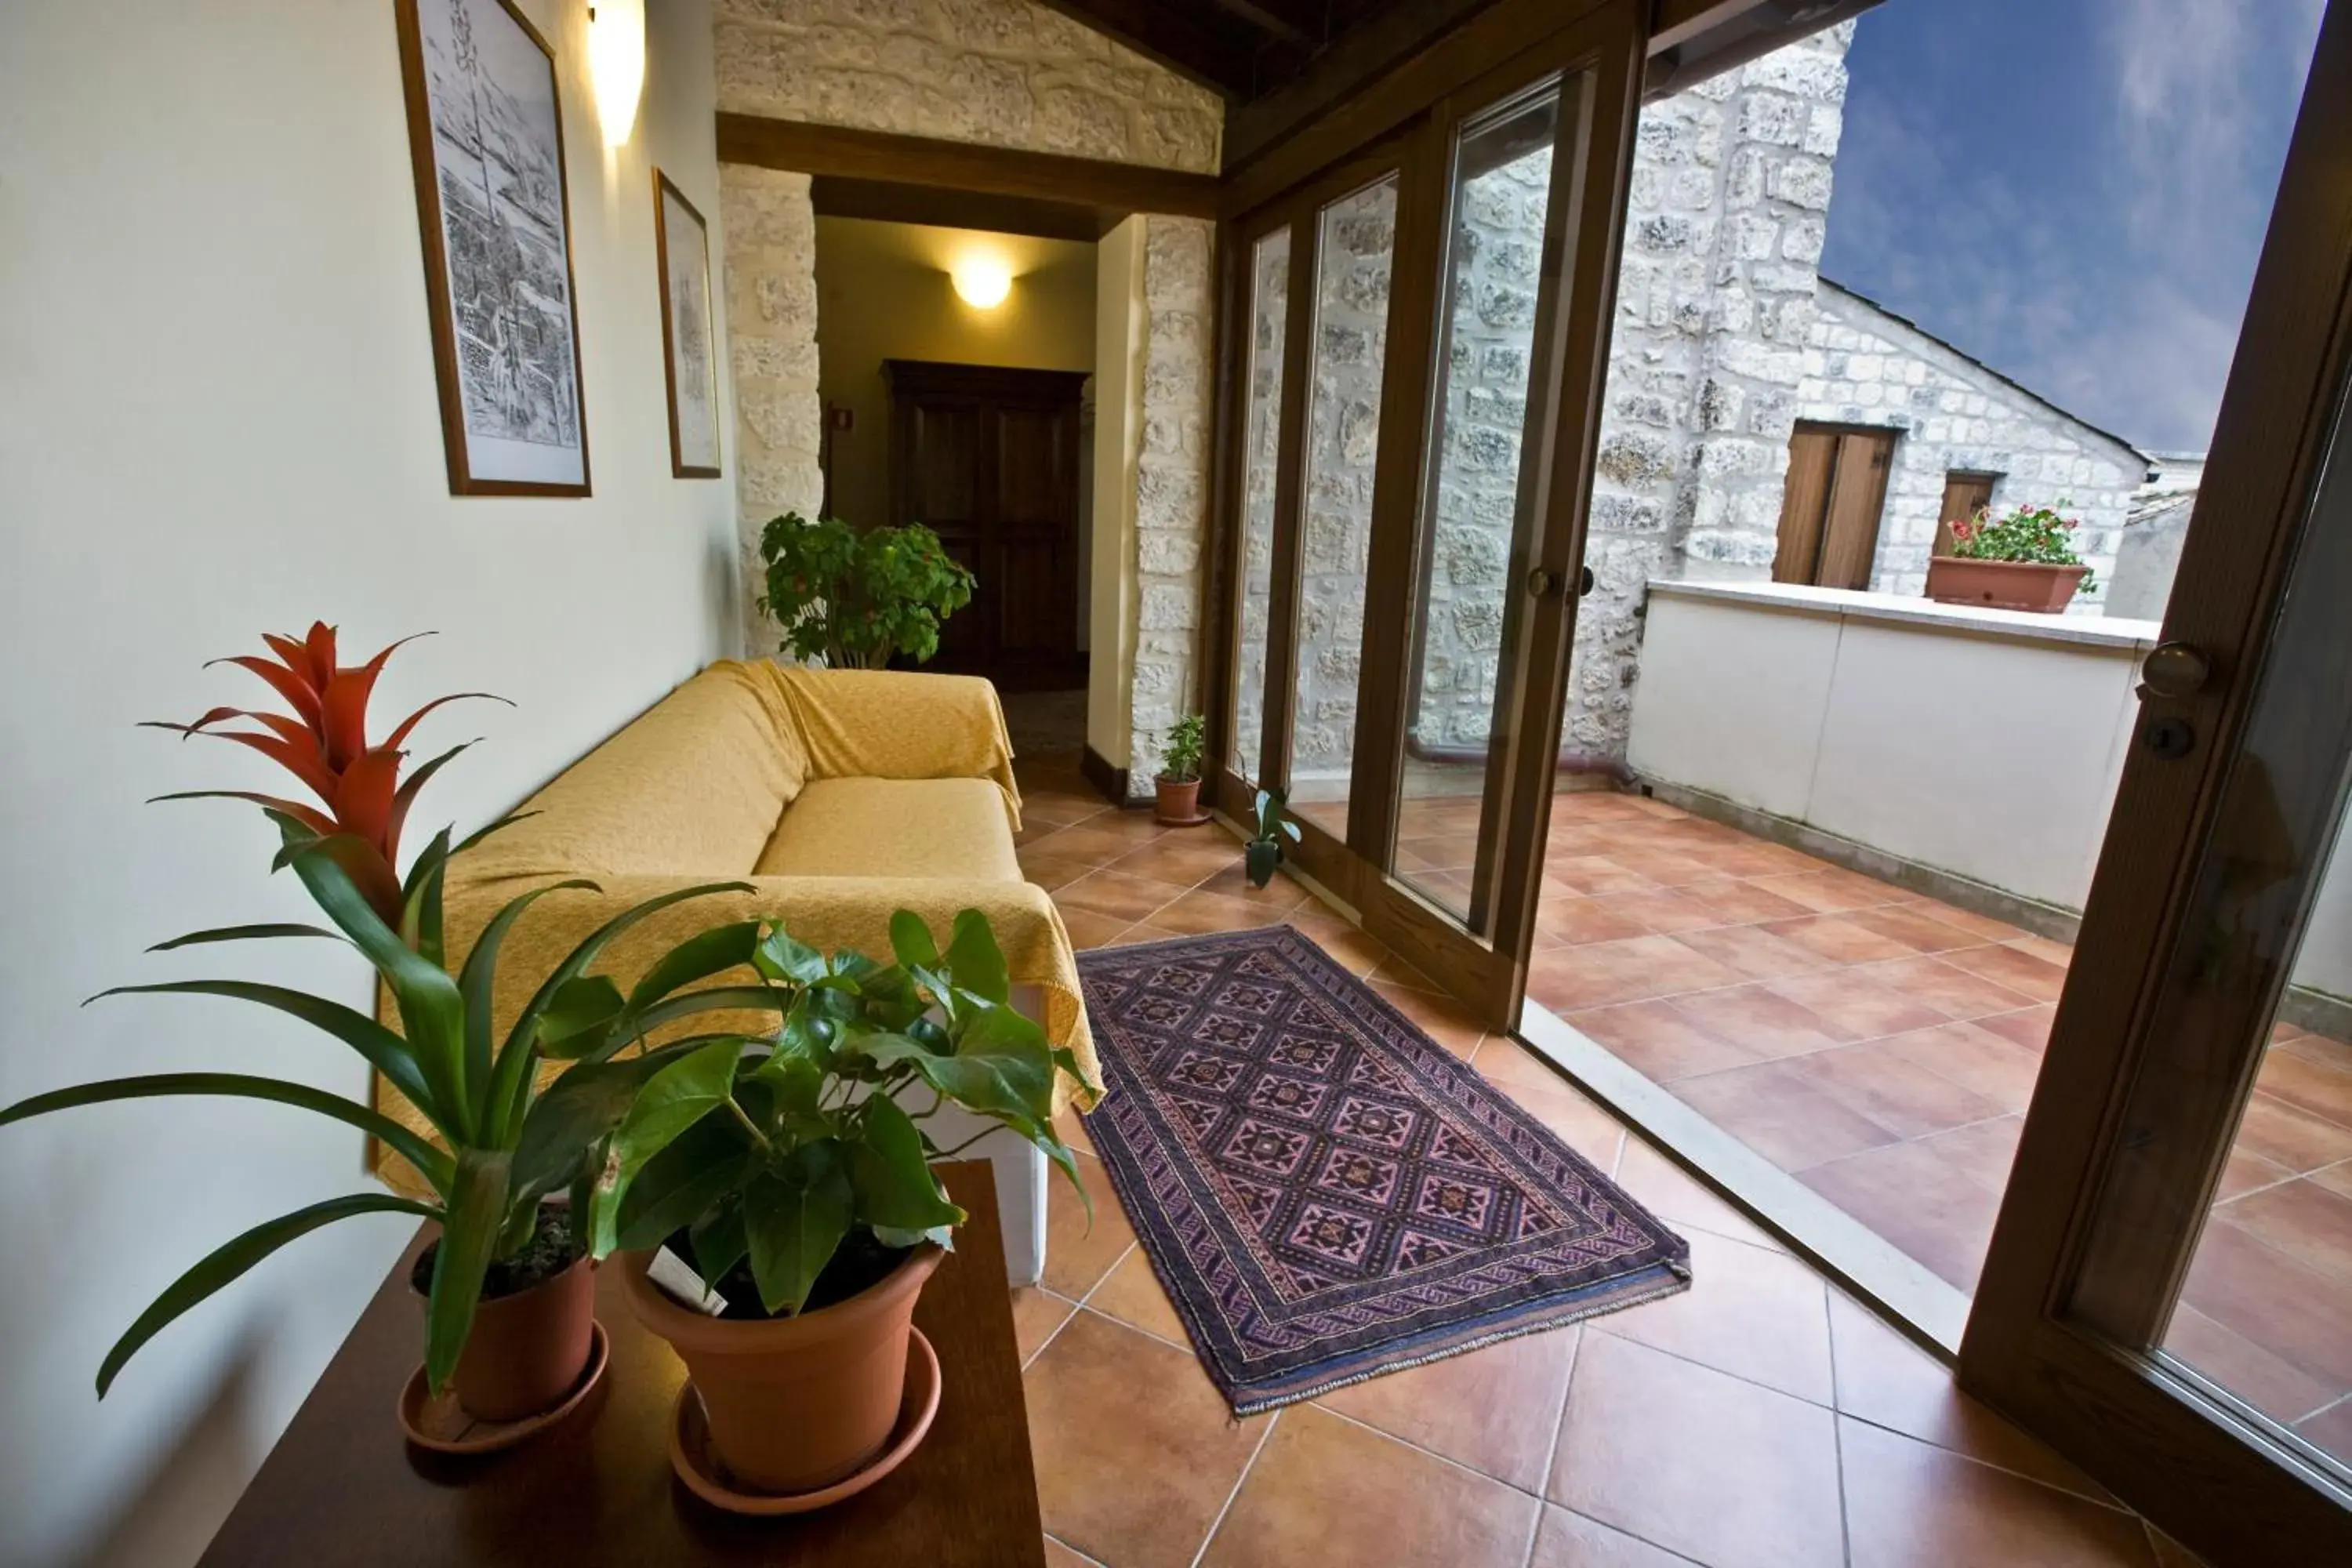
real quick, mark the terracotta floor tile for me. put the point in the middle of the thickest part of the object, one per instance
(1662, 1043)
(2035, 978)
(2028, 1027)
(2335, 1178)
(1281, 894)
(1566, 979)
(1941, 984)
(1832, 891)
(1698, 1462)
(1395, 971)
(1758, 859)
(2331, 1429)
(1142, 932)
(1680, 1199)
(1096, 840)
(1089, 929)
(1754, 952)
(2060, 953)
(1136, 1451)
(1329, 1491)
(2245, 1172)
(1915, 927)
(1131, 1292)
(1878, 1080)
(1572, 920)
(1077, 1255)
(1566, 1540)
(2274, 1298)
(1760, 1021)
(1495, 1409)
(2291, 1135)
(1984, 1152)
(1051, 872)
(1036, 1314)
(1739, 902)
(1441, 852)
(1912, 1196)
(1858, 1004)
(1202, 914)
(1885, 1379)
(1551, 1099)
(1060, 1556)
(1072, 1127)
(2268, 1383)
(1752, 1312)
(1984, 928)
(1789, 1120)
(1998, 1070)
(1587, 875)
(1348, 946)
(1442, 1018)
(2303, 1220)
(2308, 1085)
(2319, 1050)
(1115, 893)
(1187, 856)
(1667, 867)
(1844, 938)
(1913, 1505)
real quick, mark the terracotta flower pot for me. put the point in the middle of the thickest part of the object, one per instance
(526, 1352)
(794, 1404)
(2002, 584)
(1178, 802)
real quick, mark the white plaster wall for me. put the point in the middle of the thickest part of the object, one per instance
(217, 415)
(1119, 442)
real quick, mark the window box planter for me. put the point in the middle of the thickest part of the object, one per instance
(2002, 584)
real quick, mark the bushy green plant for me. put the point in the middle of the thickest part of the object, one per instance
(773, 1150)
(1264, 852)
(853, 597)
(1179, 759)
(505, 1143)
(2040, 535)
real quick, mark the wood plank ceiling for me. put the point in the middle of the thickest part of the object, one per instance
(1244, 49)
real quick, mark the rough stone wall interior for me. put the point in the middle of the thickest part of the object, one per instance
(1172, 499)
(1343, 427)
(1005, 72)
(1864, 368)
(1494, 270)
(770, 272)
(1269, 295)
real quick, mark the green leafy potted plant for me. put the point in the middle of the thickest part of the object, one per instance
(503, 1145)
(1179, 783)
(855, 597)
(2024, 560)
(786, 1174)
(1264, 852)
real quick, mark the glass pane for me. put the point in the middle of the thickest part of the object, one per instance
(1474, 534)
(1262, 438)
(1357, 235)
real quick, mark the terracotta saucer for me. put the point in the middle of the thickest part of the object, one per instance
(691, 1457)
(1193, 821)
(443, 1426)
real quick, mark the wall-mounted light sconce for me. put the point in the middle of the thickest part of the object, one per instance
(982, 281)
(617, 64)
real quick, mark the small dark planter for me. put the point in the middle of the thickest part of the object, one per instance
(1179, 803)
(1261, 855)
(2002, 584)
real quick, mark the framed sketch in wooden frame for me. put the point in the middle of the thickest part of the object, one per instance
(689, 356)
(486, 138)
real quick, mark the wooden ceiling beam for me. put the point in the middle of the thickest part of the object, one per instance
(1297, 21)
(1196, 41)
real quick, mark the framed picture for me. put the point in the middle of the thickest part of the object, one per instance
(682, 248)
(486, 135)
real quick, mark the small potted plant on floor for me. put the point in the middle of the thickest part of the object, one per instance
(2024, 560)
(1264, 852)
(855, 597)
(1179, 783)
(505, 1287)
(787, 1178)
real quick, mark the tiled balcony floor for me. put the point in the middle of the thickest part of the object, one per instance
(1761, 1418)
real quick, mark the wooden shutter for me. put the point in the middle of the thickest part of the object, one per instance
(1804, 502)
(1964, 493)
(1858, 495)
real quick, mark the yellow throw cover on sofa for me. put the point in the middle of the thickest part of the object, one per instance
(841, 795)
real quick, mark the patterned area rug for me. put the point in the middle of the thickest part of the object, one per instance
(1326, 1193)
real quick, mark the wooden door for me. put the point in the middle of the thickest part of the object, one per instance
(1830, 505)
(987, 458)
(1965, 495)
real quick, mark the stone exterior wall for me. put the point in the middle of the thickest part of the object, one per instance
(1261, 436)
(1866, 366)
(1006, 73)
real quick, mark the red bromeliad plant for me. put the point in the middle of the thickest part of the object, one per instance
(323, 742)
(503, 1142)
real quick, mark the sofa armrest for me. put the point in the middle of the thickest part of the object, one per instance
(897, 724)
(826, 912)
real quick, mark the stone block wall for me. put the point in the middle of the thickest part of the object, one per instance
(1261, 437)
(1006, 73)
(1866, 366)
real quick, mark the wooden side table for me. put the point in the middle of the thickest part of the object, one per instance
(342, 1485)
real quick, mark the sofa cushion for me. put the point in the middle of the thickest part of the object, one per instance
(893, 827)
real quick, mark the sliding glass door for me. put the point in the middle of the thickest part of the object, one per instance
(1421, 332)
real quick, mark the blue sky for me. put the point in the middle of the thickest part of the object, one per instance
(2073, 191)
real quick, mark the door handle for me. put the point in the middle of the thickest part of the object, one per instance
(1583, 581)
(1542, 581)
(2174, 670)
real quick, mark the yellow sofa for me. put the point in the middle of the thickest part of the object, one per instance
(841, 796)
